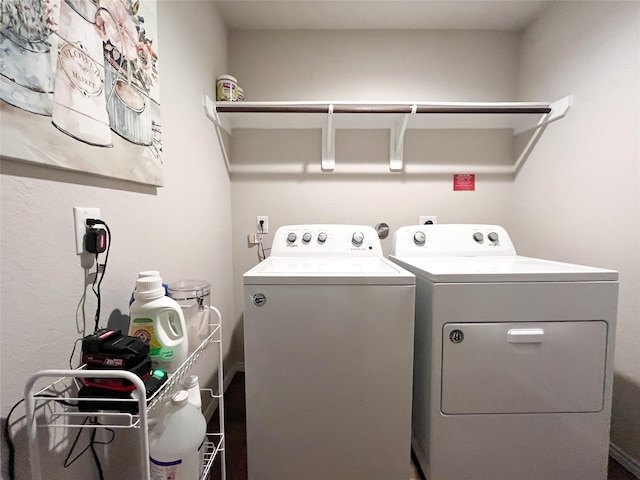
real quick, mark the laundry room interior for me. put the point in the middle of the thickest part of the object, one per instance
(566, 190)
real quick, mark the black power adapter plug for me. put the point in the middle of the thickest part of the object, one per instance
(95, 240)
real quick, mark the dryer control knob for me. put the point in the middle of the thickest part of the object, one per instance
(493, 236)
(306, 237)
(419, 238)
(291, 237)
(322, 237)
(357, 238)
(478, 237)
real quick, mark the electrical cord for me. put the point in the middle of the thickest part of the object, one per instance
(91, 446)
(100, 269)
(262, 255)
(12, 450)
(7, 434)
(73, 351)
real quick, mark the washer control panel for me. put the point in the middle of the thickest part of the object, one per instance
(455, 240)
(326, 240)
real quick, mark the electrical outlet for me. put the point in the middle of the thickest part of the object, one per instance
(80, 215)
(265, 224)
(428, 220)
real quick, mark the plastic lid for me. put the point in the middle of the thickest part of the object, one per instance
(180, 398)
(190, 381)
(227, 77)
(184, 289)
(149, 287)
(149, 273)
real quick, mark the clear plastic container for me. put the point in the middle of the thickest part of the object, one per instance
(194, 297)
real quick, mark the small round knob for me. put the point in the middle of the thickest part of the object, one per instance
(322, 237)
(291, 237)
(419, 238)
(493, 236)
(478, 237)
(357, 238)
(306, 237)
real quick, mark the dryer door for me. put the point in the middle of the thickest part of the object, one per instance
(533, 367)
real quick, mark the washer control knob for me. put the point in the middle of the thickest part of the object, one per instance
(478, 237)
(291, 237)
(493, 236)
(357, 238)
(306, 237)
(419, 238)
(322, 237)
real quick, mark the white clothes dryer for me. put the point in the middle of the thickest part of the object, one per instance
(513, 363)
(328, 335)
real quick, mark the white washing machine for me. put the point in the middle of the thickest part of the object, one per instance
(513, 362)
(328, 335)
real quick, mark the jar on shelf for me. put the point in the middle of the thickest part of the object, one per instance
(226, 89)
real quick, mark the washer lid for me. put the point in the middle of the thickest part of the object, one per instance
(501, 269)
(328, 270)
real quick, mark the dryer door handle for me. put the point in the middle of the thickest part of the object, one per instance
(525, 335)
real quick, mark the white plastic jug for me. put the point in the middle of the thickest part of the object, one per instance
(177, 440)
(158, 320)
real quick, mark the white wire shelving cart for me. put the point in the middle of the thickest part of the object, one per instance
(56, 405)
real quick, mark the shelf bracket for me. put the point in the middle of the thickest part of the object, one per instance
(212, 114)
(559, 109)
(396, 142)
(329, 143)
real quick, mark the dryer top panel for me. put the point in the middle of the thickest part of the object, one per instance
(501, 269)
(451, 240)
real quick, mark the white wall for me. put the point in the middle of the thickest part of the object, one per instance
(368, 66)
(577, 198)
(183, 229)
(364, 65)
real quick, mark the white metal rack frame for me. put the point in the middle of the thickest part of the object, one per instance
(55, 399)
(398, 117)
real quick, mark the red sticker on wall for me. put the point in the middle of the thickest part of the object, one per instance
(464, 182)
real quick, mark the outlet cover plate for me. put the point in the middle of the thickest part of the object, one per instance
(265, 225)
(80, 215)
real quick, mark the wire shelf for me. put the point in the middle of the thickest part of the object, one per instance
(65, 388)
(57, 405)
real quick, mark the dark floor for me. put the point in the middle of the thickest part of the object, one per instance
(236, 434)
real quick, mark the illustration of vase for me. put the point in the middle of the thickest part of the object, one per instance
(79, 100)
(27, 50)
(127, 105)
